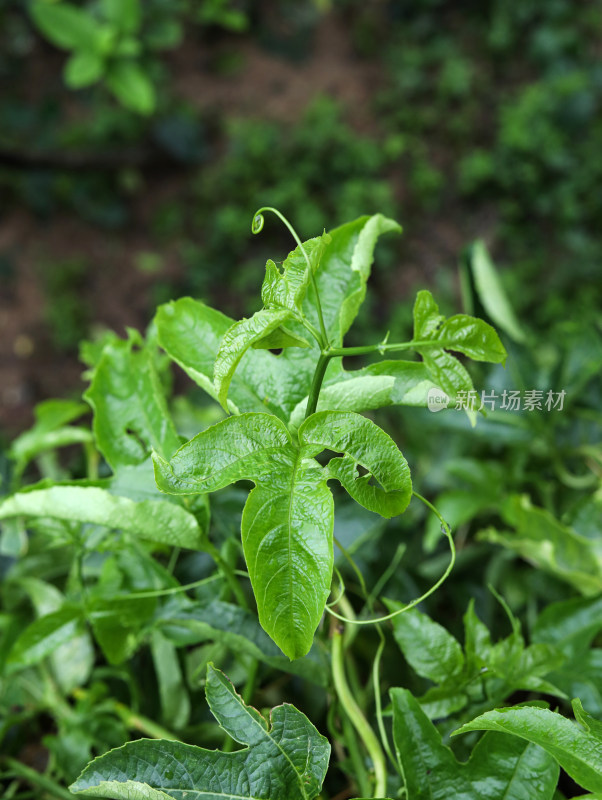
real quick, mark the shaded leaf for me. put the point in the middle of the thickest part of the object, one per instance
(496, 770)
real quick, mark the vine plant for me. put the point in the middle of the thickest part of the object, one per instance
(288, 520)
(293, 424)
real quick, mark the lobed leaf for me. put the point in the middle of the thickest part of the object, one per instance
(285, 758)
(363, 443)
(237, 340)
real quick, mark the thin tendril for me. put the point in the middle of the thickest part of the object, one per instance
(177, 589)
(446, 530)
(341, 587)
(377, 701)
(257, 226)
(354, 567)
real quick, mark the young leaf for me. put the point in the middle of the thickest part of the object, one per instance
(496, 770)
(131, 86)
(287, 288)
(130, 410)
(379, 385)
(237, 340)
(363, 443)
(344, 271)
(191, 333)
(284, 759)
(576, 747)
(461, 333)
(154, 520)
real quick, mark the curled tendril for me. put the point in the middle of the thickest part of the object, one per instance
(447, 531)
(258, 222)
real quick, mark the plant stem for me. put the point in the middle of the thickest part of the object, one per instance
(335, 352)
(37, 779)
(316, 385)
(229, 575)
(354, 713)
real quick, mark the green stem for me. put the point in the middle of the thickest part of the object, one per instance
(37, 779)
(138, 722)
(383, 347)
(354, 713)
(258, 225)
(316, 384)
(229, 575)
(377, 701)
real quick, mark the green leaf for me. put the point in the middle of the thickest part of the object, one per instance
(191, 332)
(576, 747)
(175, 703)
(65, 25)
(386, 383)
(343, 272)
(279, 339)
(125, 15)
(50, 431)
(284, 759)
(287, 524)
(287, 521)
(156, 521)
(131, 86)
(130, 411)
(429, 649)
(237, 340)
(287, 288)
(42, 638)
(473, 337)
(548, 544)
(83, 68)
(461, 333)
(496, 770)
(367, 445)
(236, 628)
(491, 292)
(249, 446)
